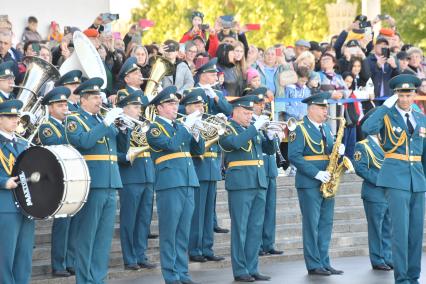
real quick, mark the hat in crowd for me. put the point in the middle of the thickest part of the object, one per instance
(131, 99)
(387, 32)
(251, 74)
(6, 69)
(352, 43)
(57, 94)
(402, 55)
(246, 102)
(166, 95)
(209, 67)
(10, 107)
(197, 14)
(404, 83)
(317, 99)
(361, 18)
(192, 96)
(355, 34)
(304, 43)
(91, 33)
(129, 66)
(171, 45)
(315, 46)
(381, 39)
(71, 77)
(92, 85)
(227, 21)
(259, 93)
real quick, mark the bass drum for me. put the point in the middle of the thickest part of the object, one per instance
(54, 181)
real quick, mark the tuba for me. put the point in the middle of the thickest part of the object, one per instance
(162, 67)
(33, 113)
(336, 169)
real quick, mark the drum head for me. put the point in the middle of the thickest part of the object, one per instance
(42, 198)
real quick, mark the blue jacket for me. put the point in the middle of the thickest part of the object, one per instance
(377, 75)
(397, 173)
(72, 107)
(172, 150)
(97, 143)
(305, 141)
(52, 133)
(7, 201)
(142, 170)
(222, 106)
(368, 159)
(245, 145)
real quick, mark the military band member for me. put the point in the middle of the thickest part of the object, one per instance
(71, 80)
(17, 236)
(368, 159)
(7, 80)
(402, 131)
(95, 138)
(271, 171)
(52, 132)
(131, 74)
(215, 102)
(137, 176)
(172, 145)
(309, 147)
(246, 183)
(208, 170)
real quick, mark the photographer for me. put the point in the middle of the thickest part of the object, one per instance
(383, 67)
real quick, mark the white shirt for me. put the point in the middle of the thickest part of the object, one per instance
(317, 125)
(166, 120)
(410, 113)
(7, 95)
(8, 135)
(57, 120)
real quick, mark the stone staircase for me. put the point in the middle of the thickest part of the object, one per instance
(349, 235)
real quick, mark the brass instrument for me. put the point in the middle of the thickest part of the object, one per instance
(33, 113)
(335, 168)
(130, 122)
(138, 143)
(162, 67)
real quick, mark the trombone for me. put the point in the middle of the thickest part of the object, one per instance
(130, 122)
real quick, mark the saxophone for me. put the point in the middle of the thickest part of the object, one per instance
(336, 169)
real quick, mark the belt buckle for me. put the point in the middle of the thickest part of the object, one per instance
(411, 158)
(259, 163)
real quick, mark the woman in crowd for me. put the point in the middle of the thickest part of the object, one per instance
(233, 84)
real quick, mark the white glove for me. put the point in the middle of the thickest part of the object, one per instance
(112, 115)
(342, 149)
(323, 176)
(271, 134)
(104, 97)
(210, 92)
(191, 119)
(261, 121)
(391, 101)
(222, 116)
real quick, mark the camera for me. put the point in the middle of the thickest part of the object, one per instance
(363, 25)
(108, 17)
(386, 52)
(204, 27)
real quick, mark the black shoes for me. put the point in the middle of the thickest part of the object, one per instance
(319, 271)
(262, 253)
(220, 230)
(272, 252)
(134, 267)
(197, 258)
(60, 273)
(383, 267)
(334, 271)
(244, 278)
(71, 270)
(147, 265)
(261, 277)
(214, 258)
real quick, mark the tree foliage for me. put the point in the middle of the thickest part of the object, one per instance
(281, 21)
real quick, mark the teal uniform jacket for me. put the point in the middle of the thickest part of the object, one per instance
(101, 140)
(142, 170)
(222, 106)
(7, 201)
(299, 148)
(144, 99)
(17, 237)
(367, 162)
(3, 97)
(165, 141)
(392, 128)
(73, 107)
(244, 144)
(52, 133)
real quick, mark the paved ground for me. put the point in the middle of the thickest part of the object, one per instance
(357, 271)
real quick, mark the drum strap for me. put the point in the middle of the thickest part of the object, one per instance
(7, 163)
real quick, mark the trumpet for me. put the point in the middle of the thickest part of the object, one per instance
(130, 122)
